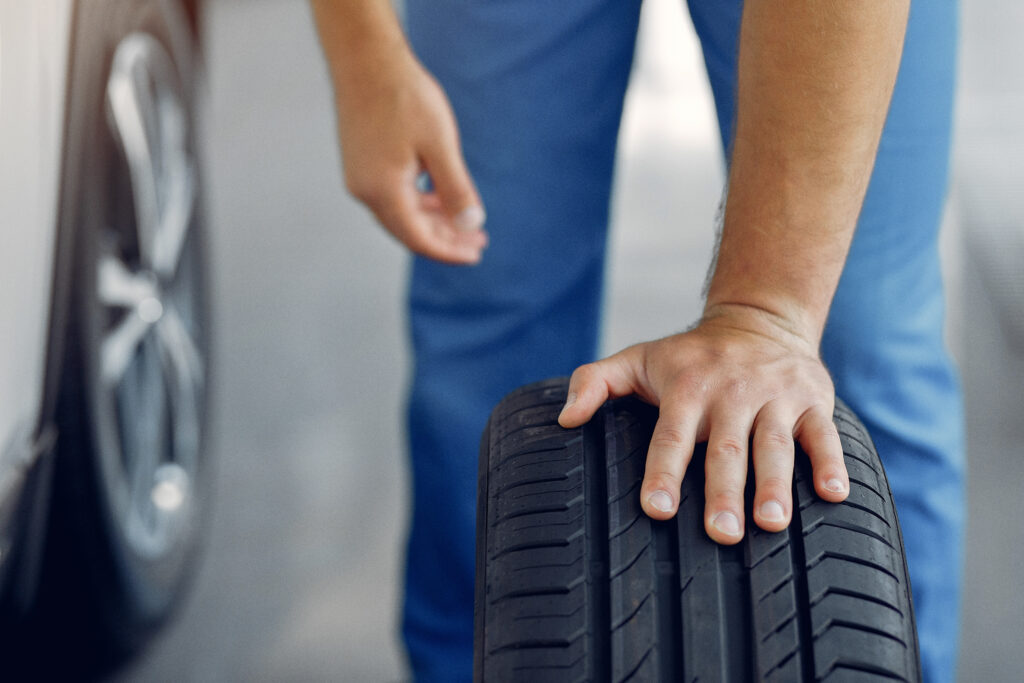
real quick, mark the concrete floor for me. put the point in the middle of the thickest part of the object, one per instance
(301, 575)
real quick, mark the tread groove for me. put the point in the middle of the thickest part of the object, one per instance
(832, 554)
(805, 650)
(623, 529)
(532, 593)
(845, 623)
(785, 660)
(616, 625)
(863, 667)
(539, 510)
(859, 596)
(785, 581)
(520, 547)
(597, 569)
(633, 672)
(539, 643)
(736, 610)
(632, 454)
(778, 551)
(536, 480)
(869, 487)
(669, 608)
(848, 526)
(778, 629)
(620, 496)
(636, 558)
(533, 617)
(864, 508)
(853, 456)
(520, 452)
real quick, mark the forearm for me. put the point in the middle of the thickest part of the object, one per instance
(394, 123)
(357, 36)
(814, 84)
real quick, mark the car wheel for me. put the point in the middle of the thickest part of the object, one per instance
(576, 583)
(131, 481)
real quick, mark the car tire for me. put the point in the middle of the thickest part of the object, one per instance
(132, 478)
(576, 583)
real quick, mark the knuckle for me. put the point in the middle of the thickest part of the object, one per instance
(668, 438)
(826, 436)
(661, 479)
(736, 388)
(689, 383)
(459, 193)
(776, 439)
(722, 498)
(585, 374)
(728, 448)
(774, 485)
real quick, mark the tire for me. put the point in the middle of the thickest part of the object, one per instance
(131, 480)
(576, 583)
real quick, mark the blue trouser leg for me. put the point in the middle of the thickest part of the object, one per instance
(884, 343)
(537, 87)
(884, 340)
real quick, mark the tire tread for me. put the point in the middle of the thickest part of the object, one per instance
(578, 584)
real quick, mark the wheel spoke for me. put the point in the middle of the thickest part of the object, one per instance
(175, 340)
(119, 347)
(146, 433)
(130, 99)
(119, 287)
(176, 219)
(150, 120)
(182, 360)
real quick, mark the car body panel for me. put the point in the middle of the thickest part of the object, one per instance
(34, 41)
(34, 44)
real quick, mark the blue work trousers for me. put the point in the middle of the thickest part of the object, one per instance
(537, 87)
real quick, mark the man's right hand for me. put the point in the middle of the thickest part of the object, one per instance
(394, 124)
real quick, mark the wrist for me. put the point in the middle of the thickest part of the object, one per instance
(793, 293)
(784, 324)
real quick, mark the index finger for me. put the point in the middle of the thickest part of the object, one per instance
(668, 457)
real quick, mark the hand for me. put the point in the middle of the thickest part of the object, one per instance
(394, 123)
(738, 374)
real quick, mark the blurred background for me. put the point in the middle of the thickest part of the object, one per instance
(302, 569)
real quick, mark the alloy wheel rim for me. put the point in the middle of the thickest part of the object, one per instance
(148, 381)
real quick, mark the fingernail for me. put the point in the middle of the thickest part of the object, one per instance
(660, 501)
(771, 511)
(835, 485)
(470, 218)
(727, 523)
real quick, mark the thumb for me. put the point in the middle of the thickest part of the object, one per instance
(454, 186)
(593, 384)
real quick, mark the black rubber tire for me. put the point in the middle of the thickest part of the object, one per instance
(575, 583)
